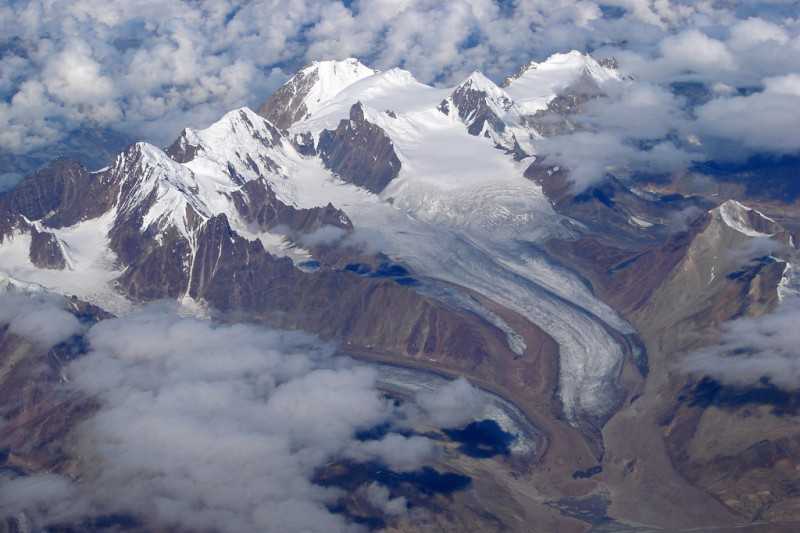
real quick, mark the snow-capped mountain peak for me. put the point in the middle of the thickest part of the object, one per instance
(236, 146)
(492, 94)
(486, 110)
(156, 188)
(480, 82)
(536, 84)
(331, 78)
(242, 123)
(311, 88)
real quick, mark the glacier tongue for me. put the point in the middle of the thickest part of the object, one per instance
(468, 235)
(500, 270)
(459, 209)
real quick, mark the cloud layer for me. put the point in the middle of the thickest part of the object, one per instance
(751, 349)
(39, 318)
(452, 405)
(218, 427)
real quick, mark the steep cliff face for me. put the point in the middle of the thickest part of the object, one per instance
(46, 250)
(258, 204)
(359, 152)
(58, 196)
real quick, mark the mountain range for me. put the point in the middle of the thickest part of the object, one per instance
(416, 226)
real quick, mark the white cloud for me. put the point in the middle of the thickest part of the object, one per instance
(766, 120)
(452, 405)
(397, 451)
(379, 497)
(38, 318)
(591, 156)
(695, 51)
(754, 348)
(755, 31)
(73, 76)
(218, 427)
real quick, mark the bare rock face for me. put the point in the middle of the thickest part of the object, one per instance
(713, 438)
(158, 268)
(334, 304)
(46, 251)
(61, 194)
(359, 152)
(474, 109)
(39, 413)
(257, 203)
(182, 149)
(287, 105)
(227, 269)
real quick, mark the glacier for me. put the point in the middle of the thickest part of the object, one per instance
(460, 211)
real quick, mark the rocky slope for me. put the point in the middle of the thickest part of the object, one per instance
(695, 439)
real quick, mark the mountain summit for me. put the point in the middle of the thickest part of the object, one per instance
(310, 88)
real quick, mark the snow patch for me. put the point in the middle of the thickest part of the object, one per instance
(735, 216)
(639, 222)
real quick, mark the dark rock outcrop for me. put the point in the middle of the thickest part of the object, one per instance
(45, 251)
(257, 203)
(287, 105)
(61, 194)
(474, 110)
(182, 150)
(360, 152)
(304, 144)
(156, 268)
